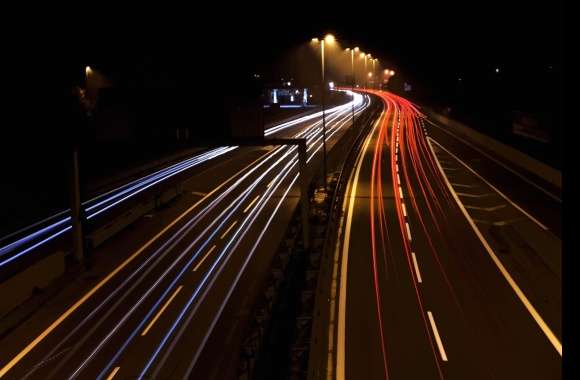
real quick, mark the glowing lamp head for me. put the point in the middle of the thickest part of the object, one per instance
(314, 40)
(356, 49)
(362, 55)
(88, 70)
(392, 72)
(370, 75)
(329, 39)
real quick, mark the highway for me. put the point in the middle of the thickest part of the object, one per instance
(449, 260)
(29, 240)
(163, 286)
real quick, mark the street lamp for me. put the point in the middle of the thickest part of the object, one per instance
(329, 39)
(367, 56)
(353, 80)
(374, 62)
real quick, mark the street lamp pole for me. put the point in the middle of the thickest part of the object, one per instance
(352, 90)
(366, 81)
(323, 88)
(374, 72)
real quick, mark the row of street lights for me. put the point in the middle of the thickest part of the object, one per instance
(330, 39)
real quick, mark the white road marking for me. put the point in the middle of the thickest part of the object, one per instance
(203, 259)
(555, 197)
(520, 294)
(474, 195)
(493, 208)
(113, 373)
(416, 267)
(408, 231)
(493, 187)
(404, 210)
(506, 222)
(462, 185)
(161, 311)
(401, 192)
(251, 204)
(437, 337)
(341, 333)
(229, 228)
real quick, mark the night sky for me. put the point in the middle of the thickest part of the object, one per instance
(199, 50)
(430, 41)
(193, 56)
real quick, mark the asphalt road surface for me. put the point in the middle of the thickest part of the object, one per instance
(152, 303)
(450, 260)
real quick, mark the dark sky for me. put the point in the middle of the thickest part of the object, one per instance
(427, 40)
(430, 42)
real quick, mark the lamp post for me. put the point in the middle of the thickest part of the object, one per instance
(353, 79)
(366, 81)
(374, 71)
(329, 38)
(77, 215)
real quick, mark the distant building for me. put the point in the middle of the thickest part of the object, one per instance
(287, 95)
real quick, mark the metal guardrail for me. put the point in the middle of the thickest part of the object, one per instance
(320, 351)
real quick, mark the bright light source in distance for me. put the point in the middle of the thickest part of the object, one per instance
(392, 72)
(497, 69)
(289, 83)
(362, 55)
(370, 75)
(331, 84)
(88, 70)
(329, 38)
(314, 40)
